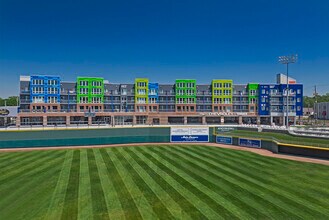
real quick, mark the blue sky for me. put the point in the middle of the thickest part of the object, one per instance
(164, 40)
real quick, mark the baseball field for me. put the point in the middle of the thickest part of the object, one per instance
(160, 182)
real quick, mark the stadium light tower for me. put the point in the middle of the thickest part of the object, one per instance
(287, 60)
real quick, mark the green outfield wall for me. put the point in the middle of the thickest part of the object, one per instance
(82, 137)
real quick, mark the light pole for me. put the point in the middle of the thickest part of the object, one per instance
(286, 60)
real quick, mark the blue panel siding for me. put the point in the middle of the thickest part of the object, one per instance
(264, 99)
(266, 94)
(297, 90)
(154, 86)
(45, 87)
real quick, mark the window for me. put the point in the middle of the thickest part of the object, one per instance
(227, 85)
(298, 108)
(263, 107)
(180, 92)
(141, 100)
(83, 83)
(52, 99)
(37, 81)
(37, 90)
(263, 99)
(96, 91)
(263, 91)
(38, 99)
(227, 92)
(298, 91)
(83, 100)
(217, 100)
(96, 83)
(298, 99)
(96, 100)
(180, 100)
(152, 100)
(152, 92)
(83, 90)
(52, 90)
(227, 100)
(52, 82)
(141, 84)
(253, 92)
(189, 92)
(141, 91)
(190, 100)
(123, 91)
(217, 92)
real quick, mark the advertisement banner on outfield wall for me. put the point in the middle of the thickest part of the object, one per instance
(224, 140)
(219, 130)
(250, 143)
(195, 134)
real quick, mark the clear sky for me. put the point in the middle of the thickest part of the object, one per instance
(164, 40)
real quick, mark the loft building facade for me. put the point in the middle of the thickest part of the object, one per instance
(48, 100)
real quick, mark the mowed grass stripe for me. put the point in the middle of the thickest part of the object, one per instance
(70, 210)
(18, 177)
(273, 163)
(114, 208)
(271, 178)
(187, 167)
(245, 191)
(16, 166)
(279, 171)
(130, 209)
(12, 157)
(169, 184)
(251, 204)
(84, 204)
(165, 198)
(221, 211)
(286, 189)
(145, 209)
(56, 204)
(280, 197)
(156, 204)
(22, 199)
(97, 194)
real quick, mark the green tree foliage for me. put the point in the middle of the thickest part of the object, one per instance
(309, 101)
(10, 101)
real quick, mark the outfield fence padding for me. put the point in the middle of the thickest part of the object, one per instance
(83, 137)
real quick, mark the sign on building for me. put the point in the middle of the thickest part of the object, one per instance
(198, 134)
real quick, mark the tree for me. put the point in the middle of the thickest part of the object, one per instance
(309, 101)
(10, 101)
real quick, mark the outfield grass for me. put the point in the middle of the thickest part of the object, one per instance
(283, 138)
(166, 182)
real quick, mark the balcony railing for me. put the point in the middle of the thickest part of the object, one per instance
(68, 101)
(240, 94)
(25, 101)
(203, 102)
(240, 110)
(240, 102)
